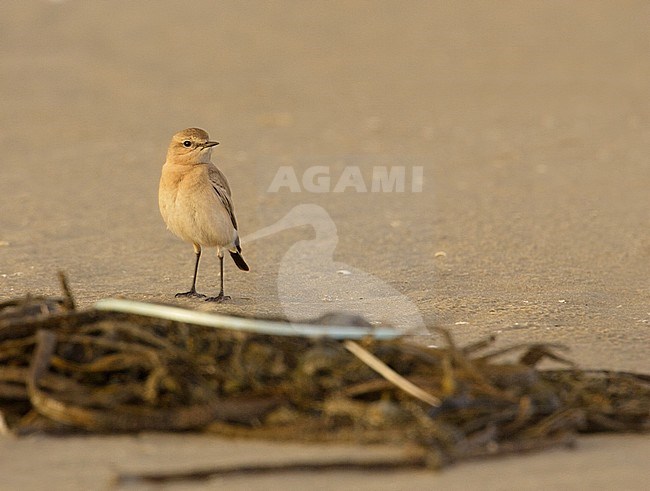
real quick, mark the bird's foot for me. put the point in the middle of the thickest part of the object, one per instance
(219, 298)
(190, 294)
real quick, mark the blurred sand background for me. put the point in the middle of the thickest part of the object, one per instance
(531, 122)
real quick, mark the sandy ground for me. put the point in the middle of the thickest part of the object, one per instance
(531, 123)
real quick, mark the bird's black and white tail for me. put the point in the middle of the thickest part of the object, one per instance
(237, 257)
(239, 261)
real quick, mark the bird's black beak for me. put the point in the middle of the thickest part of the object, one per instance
(210, 144)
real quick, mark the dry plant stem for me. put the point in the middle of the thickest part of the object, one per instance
(68, 300)
(259, 326)
(389, 374)
(414, 462)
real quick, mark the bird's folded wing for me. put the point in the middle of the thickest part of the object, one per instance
(222, 189)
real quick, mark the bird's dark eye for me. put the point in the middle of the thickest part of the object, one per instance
(187, 143)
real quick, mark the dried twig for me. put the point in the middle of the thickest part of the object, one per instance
(375, 465)
(389, 374)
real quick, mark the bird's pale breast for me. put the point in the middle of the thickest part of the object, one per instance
(191, 208)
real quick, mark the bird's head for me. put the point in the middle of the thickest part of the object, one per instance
(190, 146)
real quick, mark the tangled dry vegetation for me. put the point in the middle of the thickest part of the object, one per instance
(63, 371)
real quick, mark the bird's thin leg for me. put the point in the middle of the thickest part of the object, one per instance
(192, 292)
(221, 297)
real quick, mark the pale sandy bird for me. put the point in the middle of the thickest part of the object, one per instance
(196, 204)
